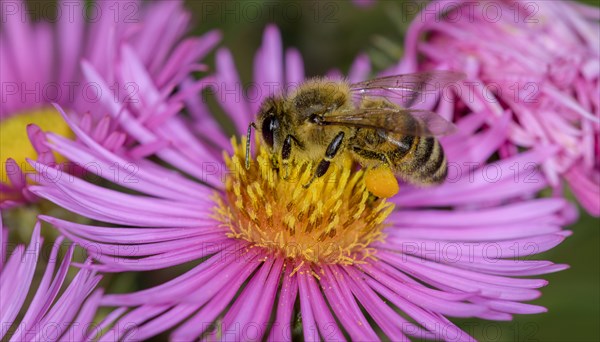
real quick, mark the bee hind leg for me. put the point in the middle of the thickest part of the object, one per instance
(371, 155)
(332, 150)
(380, 180)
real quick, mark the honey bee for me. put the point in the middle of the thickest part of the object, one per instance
(325, 121)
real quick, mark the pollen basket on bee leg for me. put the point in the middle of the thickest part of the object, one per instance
(381, 182)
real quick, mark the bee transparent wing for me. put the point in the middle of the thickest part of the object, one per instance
(407, 89)
(414, 122)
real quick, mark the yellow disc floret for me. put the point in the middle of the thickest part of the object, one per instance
(332, 221)
(14, 142)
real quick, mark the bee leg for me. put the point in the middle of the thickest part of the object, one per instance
(380, 179)
(286, 152)
(332, 150)
(368, 154)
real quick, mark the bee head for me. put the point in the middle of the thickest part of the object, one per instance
(269, 121)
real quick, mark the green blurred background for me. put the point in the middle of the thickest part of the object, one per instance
(329, 34)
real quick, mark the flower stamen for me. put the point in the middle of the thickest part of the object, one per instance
(333, 221)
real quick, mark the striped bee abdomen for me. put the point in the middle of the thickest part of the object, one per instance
(424, 164)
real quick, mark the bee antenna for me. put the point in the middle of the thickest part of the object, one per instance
(248, 138)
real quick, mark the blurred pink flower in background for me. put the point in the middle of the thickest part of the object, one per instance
(41, 64)
(535, 62)
(49, 316)
(451, 251)
(364, 3)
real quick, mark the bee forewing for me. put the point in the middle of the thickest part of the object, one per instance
(433, 123)
(404, 121)
(406, 89)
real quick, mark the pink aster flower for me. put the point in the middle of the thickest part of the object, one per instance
(536, 62)
(41, 65)
(49, 316)
(271, 256)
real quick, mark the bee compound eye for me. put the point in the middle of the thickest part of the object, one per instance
(269, 126)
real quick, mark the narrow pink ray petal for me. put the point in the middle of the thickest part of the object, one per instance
(379, 311)
(268, 66)
(202, 320)
(456, 309)
(14, 294)
(249, 315)
(310, 326)
(228, 91)
(360, 69)
(328, 327)
(125, 326)
(223, 261)
(345, 307)
(294, 67)
(282, 326)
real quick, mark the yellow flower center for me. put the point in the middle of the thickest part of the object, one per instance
(332, 221)
(14, 142)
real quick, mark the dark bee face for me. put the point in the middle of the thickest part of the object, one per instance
(270, 124)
